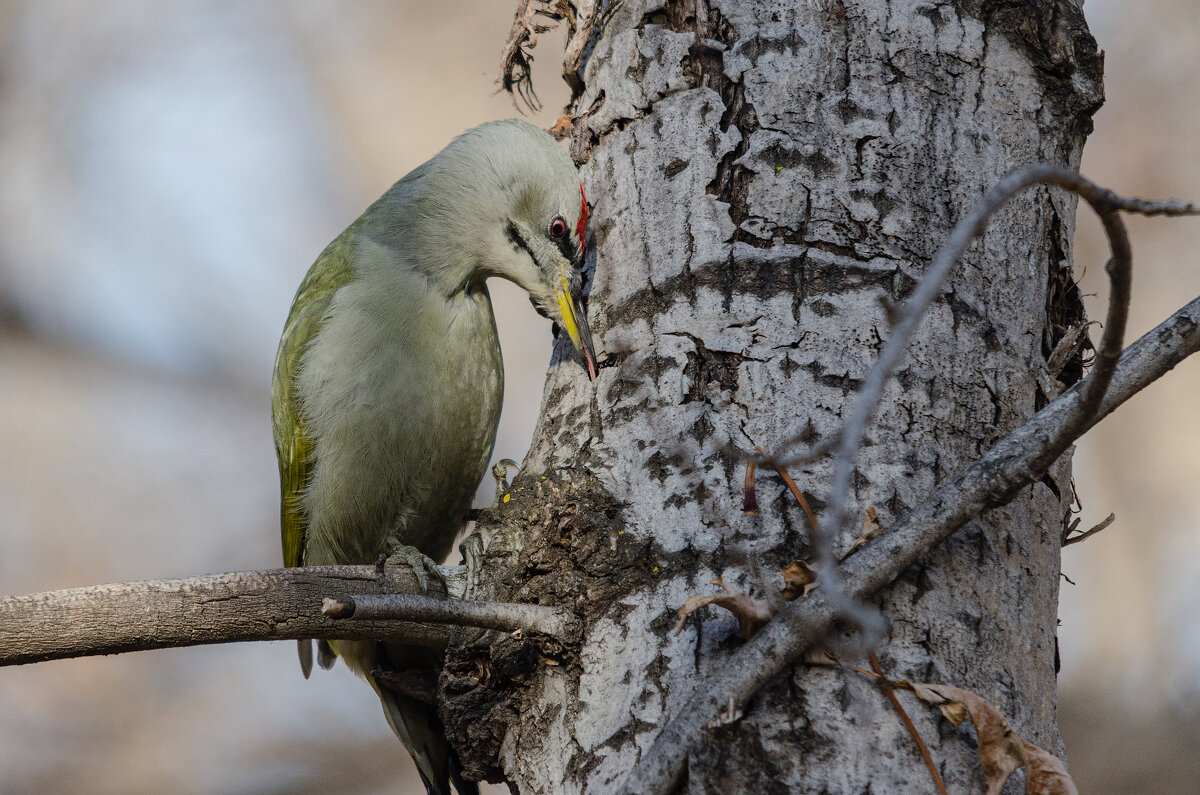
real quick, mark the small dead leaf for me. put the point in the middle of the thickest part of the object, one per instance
(799, 579)
(1001, 751)
(729, 715)
(752, 614)
(1045, 773)
(870, 525)
(870, 529)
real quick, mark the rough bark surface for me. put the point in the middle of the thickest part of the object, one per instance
(767, 177)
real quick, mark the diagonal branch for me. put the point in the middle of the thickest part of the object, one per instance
(990, 482)
(908, 318)
(1016, 461)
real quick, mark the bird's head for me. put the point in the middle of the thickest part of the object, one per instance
(519, 212)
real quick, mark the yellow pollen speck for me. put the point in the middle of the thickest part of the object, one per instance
(654, 569)
(507, 497)
(778, 169)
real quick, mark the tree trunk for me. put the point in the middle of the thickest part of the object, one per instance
(767, 178)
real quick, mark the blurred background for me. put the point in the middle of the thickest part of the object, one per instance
(168, 170)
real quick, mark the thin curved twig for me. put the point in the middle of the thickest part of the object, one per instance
(1020, 458)
(1068, 539)
(797, 494)
(807, 455)
(908, 318)
(885, 687)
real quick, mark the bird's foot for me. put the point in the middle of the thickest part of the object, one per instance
(422, 566)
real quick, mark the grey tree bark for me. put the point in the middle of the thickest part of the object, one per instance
(767, 178)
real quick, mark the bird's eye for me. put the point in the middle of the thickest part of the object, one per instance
(558, 228)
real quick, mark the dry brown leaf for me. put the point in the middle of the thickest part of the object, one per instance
(870, 526)
(1045, 773)
(752, 614)
(563, 127)
(1001, 751)
(799, 579)
(731, 714)
(749, 497)
(870, 529)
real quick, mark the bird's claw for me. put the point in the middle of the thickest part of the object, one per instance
(422, 566)
(472, 554)
(500, 474)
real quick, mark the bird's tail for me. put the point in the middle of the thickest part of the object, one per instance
(417, 725)
(304, 649)
(405, 679)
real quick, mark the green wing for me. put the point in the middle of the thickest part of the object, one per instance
(293, 445)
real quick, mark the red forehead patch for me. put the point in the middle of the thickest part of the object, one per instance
(581, 227)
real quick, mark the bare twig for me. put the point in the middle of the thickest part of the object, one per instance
(506, 616)
(885, 687)
(814, 452)
(539, 16)
(1067, 541)
(1019, 459)
(781, 470)
(516, 62)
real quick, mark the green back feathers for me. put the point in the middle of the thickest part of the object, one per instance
(293, 445)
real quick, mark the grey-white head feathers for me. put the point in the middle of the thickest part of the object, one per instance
(502, 199)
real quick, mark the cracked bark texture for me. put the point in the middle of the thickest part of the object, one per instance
(766, 178)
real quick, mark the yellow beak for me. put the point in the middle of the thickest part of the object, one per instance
(574, 320)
